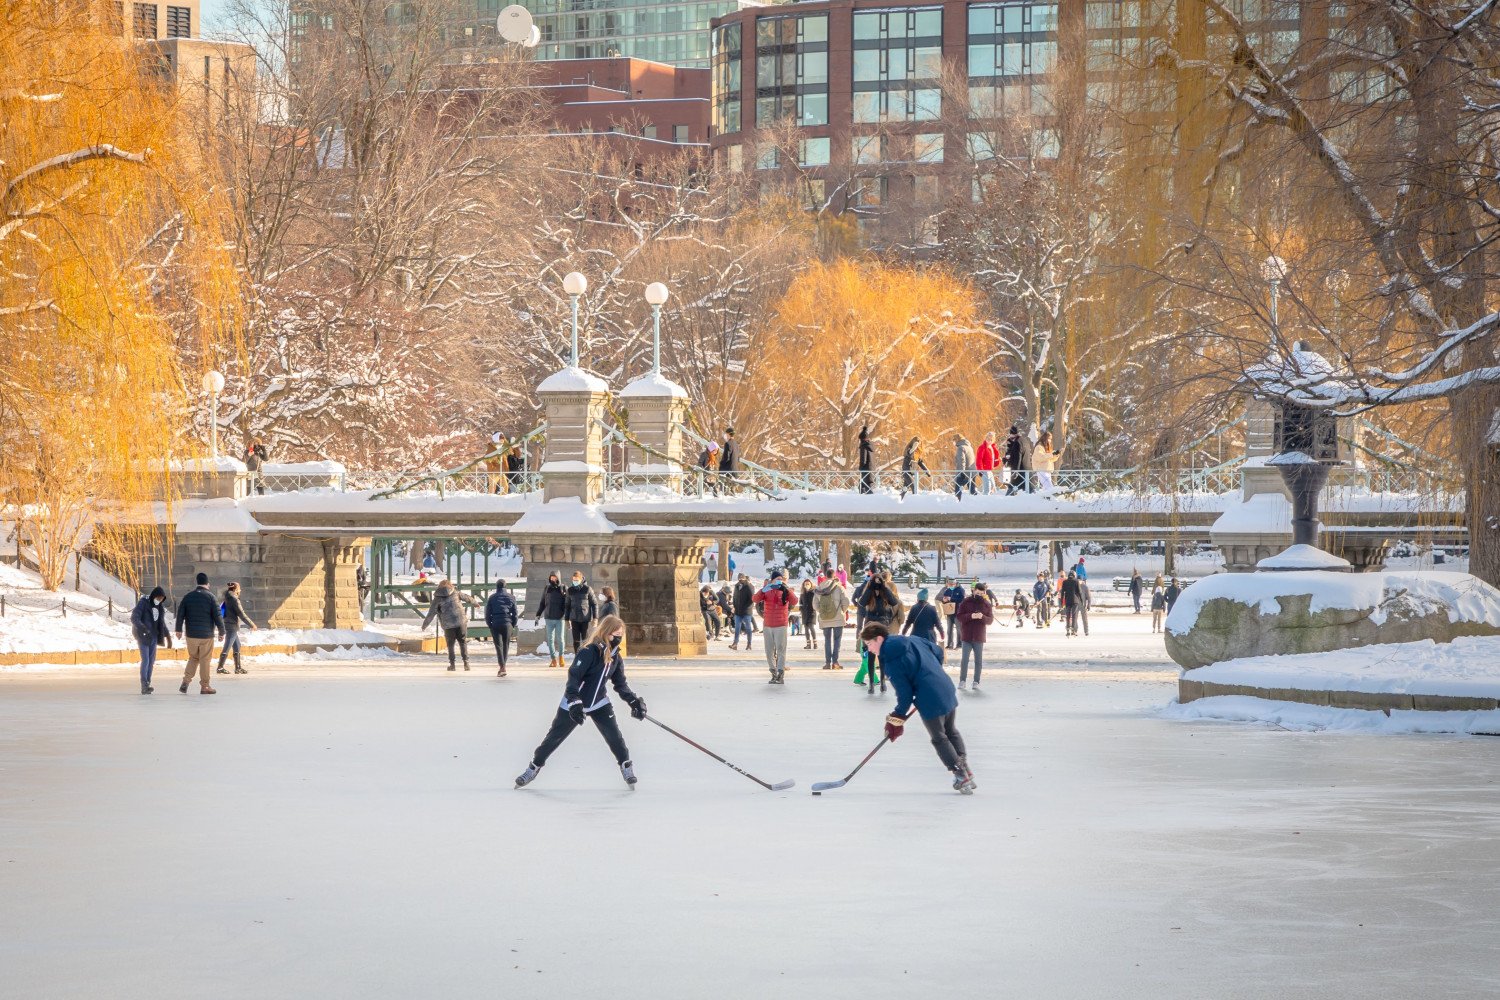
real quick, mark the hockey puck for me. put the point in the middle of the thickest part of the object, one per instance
(817, 793)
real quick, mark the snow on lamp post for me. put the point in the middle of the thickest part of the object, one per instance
(213, 384)
(574, 284)
(656, 297)
(1273, 270)
(1300, 387)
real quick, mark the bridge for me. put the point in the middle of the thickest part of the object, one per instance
(624, 505)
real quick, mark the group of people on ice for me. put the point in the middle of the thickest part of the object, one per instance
(200, 619)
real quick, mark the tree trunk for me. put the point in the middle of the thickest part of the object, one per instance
(1473, 411)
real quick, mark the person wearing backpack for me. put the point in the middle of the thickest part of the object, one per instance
(1158, 608)
(831, 602)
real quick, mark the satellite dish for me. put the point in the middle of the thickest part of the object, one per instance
(536, 37)
(514, 24)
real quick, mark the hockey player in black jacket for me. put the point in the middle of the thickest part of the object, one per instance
(599, 661)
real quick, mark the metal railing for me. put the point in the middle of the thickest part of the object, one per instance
(296, 483)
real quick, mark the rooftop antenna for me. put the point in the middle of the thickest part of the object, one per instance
(515, 25)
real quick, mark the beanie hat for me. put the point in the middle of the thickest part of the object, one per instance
(922, 594)
(776, 574)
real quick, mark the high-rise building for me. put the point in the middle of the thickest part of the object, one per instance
(174, 19)
(674, 33)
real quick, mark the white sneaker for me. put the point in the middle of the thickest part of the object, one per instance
(976, 685)
(961, 685)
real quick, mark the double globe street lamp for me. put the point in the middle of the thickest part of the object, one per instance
(656, 297)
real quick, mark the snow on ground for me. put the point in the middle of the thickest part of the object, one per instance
(1466, 667)
(34, 620)
(350, 830)
(1318, 718)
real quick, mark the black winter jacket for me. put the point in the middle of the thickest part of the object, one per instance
(198, 615)
(866, 453)
(593, 665)
(923, 621)
(806, 605)
(553, 604)
(729, 455)
(581, 604)
(744, 597)
(234, 613)
(1072, 593)
(500, 611)
(150, 623)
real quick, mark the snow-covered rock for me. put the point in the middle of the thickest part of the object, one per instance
(1310, 611)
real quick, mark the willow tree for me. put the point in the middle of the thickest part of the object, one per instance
(110, 256)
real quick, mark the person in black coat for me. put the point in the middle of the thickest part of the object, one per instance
(597, 663)
(807, 609)
(500, 618)
(1137, 588)
(743, 601)
(234, 616)
(1072, 602)
(583, 608)
(1174, 591)
(952, 594)
(199, 617)
(923, 621)
(148, 620)
(729, 455)
(553, 606)
(866, 461)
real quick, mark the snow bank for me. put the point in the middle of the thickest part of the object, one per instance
(1463, 597)
(1467, 667)
(1303, 557)
(218, 516)
(573, 379)
(564, 516)
(34, 621)
(653, 384)
(1318, 718)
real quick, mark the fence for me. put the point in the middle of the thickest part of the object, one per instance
(108, 610)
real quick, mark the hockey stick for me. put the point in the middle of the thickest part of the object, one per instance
(780, 786)
(820, 787)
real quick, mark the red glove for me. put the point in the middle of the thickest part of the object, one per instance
(895, 725)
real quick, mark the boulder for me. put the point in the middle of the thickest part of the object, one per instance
(1235, 615)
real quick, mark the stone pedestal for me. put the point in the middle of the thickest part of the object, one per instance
(659, 596)
(573, 461)
(657, 407)
(206, 479)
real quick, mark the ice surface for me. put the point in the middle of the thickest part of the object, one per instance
(1469, 666)
(350, 831)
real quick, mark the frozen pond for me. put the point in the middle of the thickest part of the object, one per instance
(351, 831)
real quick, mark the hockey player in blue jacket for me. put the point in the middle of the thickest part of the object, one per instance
(915, 668)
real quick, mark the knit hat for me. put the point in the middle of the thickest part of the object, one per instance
(922, 594)
(776, 574)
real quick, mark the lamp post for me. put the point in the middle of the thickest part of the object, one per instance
(1273, 270)
(1337, 282)
(656, 297)
(213, 384)
(575, 285)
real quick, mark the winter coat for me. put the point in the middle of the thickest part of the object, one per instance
(911, 459)
(1040, 590)
(832, 601)
(1072, 593)
(722, 599)
(553, 604)
(234, 614)
(593, 665)
(744, 595)
(1013, 452)
(706, 460)
(198, 615)
(1173, 592)
(729, 456)
(1043, 460)
(500, 611)
(963, 456)
(866, 452)
(149, 622)
(880, 603)
(915, 669)
(1020, 603)
(255, 458)
(987, 457)
(807, 600)
(447, 608)
(971, 629)
(1137, 585)
(582, 607)
(776, 602)
(1081, 570)
(1158, 601)
(923, 621)
(954, 593)
(608, 607)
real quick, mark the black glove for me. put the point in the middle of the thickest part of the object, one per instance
(638, 708)
(576, 713)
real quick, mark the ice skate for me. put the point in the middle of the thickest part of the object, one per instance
(963, 782)
(528, 776)
(240, 670)
(628, 773)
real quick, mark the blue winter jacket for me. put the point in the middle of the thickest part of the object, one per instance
(924, 622)
(954, 593)
(500, 611)
(1081, 570)
(915, 668)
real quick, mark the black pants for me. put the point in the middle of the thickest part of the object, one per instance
(502, 645)
(580, 633)
(562, 728)
(866, 481)
(460, 637)
(952, 640)
(946, 739)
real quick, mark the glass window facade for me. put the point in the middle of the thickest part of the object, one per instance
(791, 70)
(898, 64)
(675, 33)
(726, 76)
(1012, 51)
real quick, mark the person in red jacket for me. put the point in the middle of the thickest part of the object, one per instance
(975, 613)
(987, 460)
(776, 602)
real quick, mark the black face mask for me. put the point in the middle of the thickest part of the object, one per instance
(615, 642)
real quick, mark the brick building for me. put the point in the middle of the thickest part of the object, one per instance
(628, 99)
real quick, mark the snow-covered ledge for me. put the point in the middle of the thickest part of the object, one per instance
(1295, 557)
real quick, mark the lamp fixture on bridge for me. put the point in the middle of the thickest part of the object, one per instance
(574, 284)
(1273, 269)
(213, 384)
(656, 297)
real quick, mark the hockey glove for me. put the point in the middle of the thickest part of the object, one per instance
(638, 708)
(576, 713)
(895, 725)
